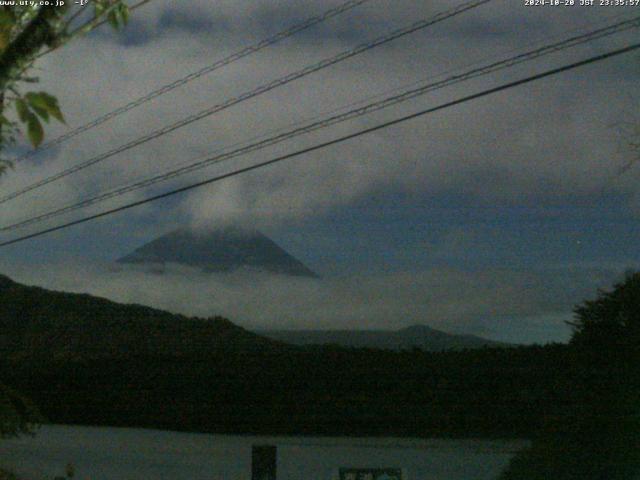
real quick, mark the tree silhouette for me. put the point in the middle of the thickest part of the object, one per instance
(29, 30)
(601, 440)
(611, 321)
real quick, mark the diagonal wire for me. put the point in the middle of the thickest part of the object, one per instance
(250, 94)
(329, 143)
(339, 118)
(308, 23)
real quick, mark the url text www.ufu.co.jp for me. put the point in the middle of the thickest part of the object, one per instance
(33, 3)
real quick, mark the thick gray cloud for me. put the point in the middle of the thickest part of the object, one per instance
(543, 141)
(546, 144)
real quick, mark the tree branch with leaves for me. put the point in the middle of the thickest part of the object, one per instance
(26, 34)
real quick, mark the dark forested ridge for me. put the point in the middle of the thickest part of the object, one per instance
(87, 360)
(417, 336)
(42, 324)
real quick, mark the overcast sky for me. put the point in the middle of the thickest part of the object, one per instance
(493, 217)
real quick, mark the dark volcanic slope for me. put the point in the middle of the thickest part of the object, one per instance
(39, 323)
(419, 336)
(86, 360)
(222, 250)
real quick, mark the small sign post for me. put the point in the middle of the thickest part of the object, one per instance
(263, 462)
(370, 474)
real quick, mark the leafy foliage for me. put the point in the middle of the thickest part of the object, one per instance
(18, 415)
(612, 320)
(602, 438)
(603, 448)
(25, 31)
(6, 475)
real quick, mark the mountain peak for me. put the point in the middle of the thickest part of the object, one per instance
(415, 336)
(6, 282)
(417, 329)
(224, 249)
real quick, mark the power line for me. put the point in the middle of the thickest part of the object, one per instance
(326, 144)
(335, 119)
(251, 94)
(308, 23)
(247, 95)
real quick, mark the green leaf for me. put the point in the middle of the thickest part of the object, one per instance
(124, 13)
(22, 109)
(118, 16)
(99, 8)
(42, 101)
(112, 17)
(7, 19)
(5, 37)
(35, 131)
(41, 112)
(55, 111)
(36, 100)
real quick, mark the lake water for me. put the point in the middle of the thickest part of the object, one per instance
(136, 454)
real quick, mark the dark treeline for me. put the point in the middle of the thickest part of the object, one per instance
(488, 392)
(599, 437)
(84, 360)
(87, 360)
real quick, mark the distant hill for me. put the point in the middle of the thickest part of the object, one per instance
(87, 360)
(418, 336)
(218, 250)
(39, 323)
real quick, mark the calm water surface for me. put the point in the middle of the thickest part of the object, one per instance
(128, 454)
